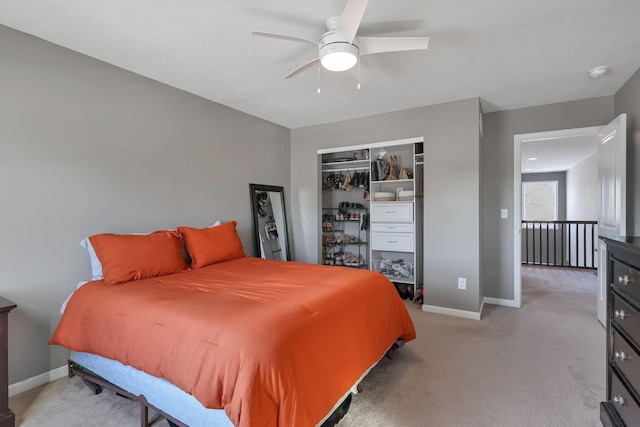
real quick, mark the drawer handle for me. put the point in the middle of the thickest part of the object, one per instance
(392, 241)
(620, 314)
(624, 279)
(621, 356)
(619, 400)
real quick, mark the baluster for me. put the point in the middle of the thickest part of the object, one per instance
(533, 243)
(562, 244)
(526, 248)
(578, 251)
(569, 244)
(539, 243)
(586, 243)
(547, 231)
(593, 244)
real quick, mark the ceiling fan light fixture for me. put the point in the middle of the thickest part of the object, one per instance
(338, 56)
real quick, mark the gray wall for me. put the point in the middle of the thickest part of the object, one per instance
(85, 148)
(452, 190)
(561, 177)
(627, 100)
(497, 179)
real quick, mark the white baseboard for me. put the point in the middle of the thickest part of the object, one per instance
(452, 312)
(38, 380)
(500, 301)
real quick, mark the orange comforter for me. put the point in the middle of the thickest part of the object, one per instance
(273, 343)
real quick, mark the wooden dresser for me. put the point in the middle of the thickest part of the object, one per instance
(622, 407)
(7, 419)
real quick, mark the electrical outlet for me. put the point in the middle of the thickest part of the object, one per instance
(462, 283)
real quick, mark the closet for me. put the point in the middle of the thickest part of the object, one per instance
(372, 209)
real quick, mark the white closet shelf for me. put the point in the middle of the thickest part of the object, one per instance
(392, 181)
(362, 162)
(354, 168)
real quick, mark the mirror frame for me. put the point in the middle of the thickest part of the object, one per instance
(254, 189)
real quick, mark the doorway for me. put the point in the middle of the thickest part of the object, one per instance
(547, 153)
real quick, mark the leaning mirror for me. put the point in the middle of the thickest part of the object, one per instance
(269, 222)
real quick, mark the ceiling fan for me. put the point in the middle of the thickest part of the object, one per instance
(339, 48)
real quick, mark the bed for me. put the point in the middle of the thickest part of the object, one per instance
(243, 341)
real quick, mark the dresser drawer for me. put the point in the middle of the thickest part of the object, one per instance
(626, 278)
(392, 212)
(623, 402)
(608, 415)
(625, 357)
(388, 227)
(625, 318)
(400, 242)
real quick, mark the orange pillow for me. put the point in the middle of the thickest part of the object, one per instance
(211, 245)
(138, 256)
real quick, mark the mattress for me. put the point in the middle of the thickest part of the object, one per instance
(159, 392)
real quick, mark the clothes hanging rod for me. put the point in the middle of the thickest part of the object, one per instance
(356, 168)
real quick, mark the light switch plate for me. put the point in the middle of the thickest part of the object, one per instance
(504, 213)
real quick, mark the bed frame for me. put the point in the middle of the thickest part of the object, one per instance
(97, 383)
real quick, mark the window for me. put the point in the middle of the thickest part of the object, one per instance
(540, 201)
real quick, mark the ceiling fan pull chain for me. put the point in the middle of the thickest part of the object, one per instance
(318, 78)
(358, 74)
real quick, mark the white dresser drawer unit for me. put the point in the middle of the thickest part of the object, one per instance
(389, 227)
(392, 212)
(400, 242)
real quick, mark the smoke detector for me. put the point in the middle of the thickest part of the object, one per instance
(598, 71)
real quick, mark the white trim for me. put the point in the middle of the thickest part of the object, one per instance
(500, 301)
(517, 219)
(372, 145)
(452, 312)
(38, 380)
(517, 194)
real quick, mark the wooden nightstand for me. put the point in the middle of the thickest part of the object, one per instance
(7, 418)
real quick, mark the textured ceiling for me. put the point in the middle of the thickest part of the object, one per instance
(510, 54)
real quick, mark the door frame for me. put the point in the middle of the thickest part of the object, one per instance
(517, 195)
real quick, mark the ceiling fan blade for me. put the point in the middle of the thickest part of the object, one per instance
(301, 68)
(284, 37)
(350, 20)
(370, 45)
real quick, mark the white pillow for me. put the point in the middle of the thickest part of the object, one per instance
(96, 265)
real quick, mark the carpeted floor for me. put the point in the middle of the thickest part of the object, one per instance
(540, 365)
